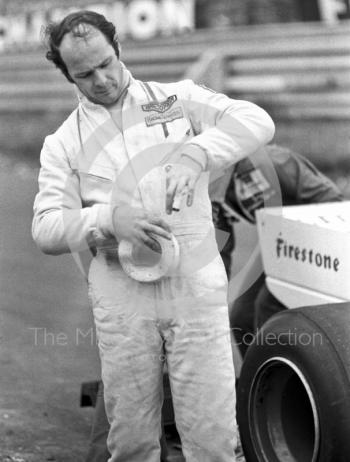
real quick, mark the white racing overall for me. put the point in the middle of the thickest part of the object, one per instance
(91, 165)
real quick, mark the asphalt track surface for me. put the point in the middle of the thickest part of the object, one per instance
(47, 341)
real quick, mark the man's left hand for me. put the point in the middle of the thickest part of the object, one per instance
(181, 181)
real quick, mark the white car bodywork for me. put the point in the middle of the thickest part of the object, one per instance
(306, 252)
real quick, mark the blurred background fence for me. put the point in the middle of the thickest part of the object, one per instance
(261, 51)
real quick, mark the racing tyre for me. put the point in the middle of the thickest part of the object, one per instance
(293, 396)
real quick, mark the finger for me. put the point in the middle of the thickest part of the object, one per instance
(160, 222)
(170, 193)
(190, 197)
(190, 192)
(151, 243)
(157, 230)
(181, 192)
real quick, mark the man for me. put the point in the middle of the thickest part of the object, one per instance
(277, 176)
(131, 164)
(274, 176)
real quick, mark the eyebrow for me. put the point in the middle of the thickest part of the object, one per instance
(88, 71)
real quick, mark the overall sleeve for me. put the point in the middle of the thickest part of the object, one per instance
(301, 180)
(226, 130)
(60, 223)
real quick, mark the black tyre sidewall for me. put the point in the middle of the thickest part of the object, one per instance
(320, 363)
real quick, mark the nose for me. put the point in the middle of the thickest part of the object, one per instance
(100, 79)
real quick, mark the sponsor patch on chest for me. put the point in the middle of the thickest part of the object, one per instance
(166, 117)
(161, 106)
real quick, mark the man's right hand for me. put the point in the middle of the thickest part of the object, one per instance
(137, 226)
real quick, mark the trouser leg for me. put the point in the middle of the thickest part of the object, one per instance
(98, 451)
(130, 348)
(203, 387)
(131, 358)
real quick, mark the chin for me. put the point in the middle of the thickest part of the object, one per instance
(112, 100)
(107, 99)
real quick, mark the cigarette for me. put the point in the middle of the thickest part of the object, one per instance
(176, 204)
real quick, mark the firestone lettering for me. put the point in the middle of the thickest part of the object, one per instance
(310, 256)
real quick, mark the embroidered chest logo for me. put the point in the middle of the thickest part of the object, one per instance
(161, 106)
(170, 116)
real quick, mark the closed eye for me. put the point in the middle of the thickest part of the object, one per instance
(84, 76)
(105, 63)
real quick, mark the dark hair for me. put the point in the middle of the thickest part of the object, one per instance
(55, 32)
